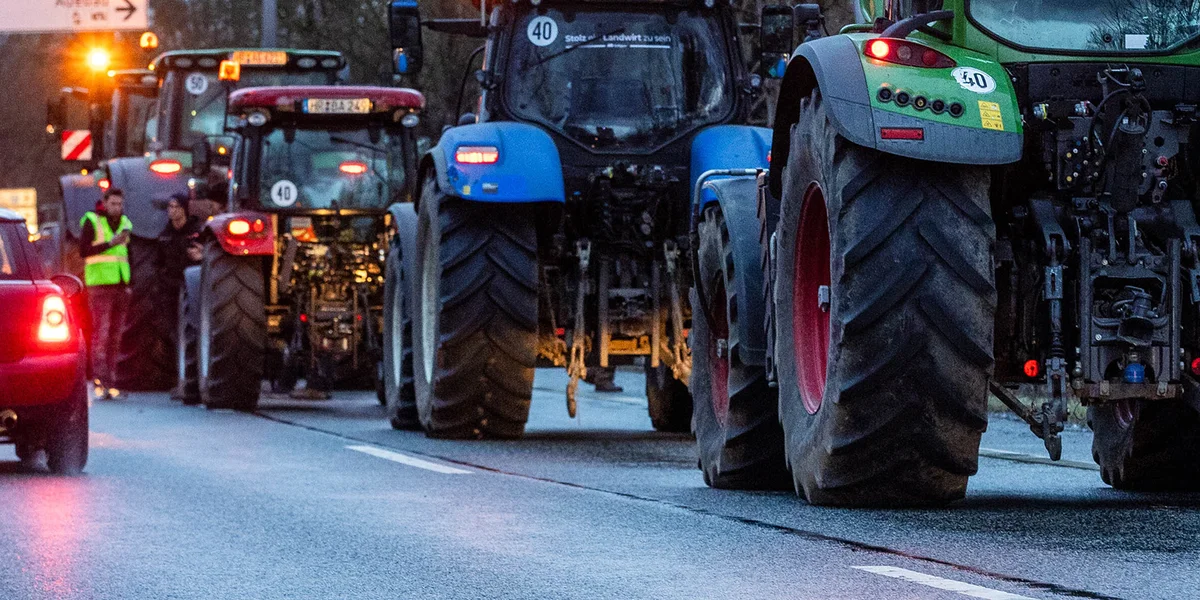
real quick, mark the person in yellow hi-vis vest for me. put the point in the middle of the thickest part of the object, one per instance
(104, 244)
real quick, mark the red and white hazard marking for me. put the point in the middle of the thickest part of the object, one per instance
(76, 144)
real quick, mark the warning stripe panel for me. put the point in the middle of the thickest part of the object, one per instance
(77, 144)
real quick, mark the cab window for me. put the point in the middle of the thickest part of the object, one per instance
(12, 258)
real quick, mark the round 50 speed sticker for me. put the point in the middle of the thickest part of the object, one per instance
(542, 31)
(974, 80)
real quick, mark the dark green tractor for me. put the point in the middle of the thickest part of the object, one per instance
(964, 195)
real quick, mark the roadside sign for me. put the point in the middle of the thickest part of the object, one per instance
(76, 144)
(22, 201)
(43, 16)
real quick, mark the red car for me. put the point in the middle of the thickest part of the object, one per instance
(43, 372)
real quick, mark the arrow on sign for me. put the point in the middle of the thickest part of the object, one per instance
(128, 9)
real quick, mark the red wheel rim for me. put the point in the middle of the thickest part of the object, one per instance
(718, 329)
(810, 324)
(1125, 412)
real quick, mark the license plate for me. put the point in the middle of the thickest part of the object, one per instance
(260, 57)
(324, 106)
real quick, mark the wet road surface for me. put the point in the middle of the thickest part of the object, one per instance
(323, 500)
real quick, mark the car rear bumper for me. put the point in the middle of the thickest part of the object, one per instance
(39, 380)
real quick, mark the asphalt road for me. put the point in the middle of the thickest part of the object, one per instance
(324, 500)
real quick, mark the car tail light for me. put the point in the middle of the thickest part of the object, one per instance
(238, 227)
(352, 167)
(54, 327)
(477, 155)
(166, 166)
(904, 52)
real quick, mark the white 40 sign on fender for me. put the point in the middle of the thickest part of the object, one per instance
(974, 80)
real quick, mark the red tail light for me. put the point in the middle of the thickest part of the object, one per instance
(54, 327)
(904, 52)
(238, 227)
(1196, 366)
(1032, 368)
(915, 134)
(166, 166)
(353, 167)
(477, 155)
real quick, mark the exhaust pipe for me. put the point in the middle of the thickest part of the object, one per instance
(8, 420)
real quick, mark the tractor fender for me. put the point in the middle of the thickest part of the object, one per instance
(80, 195)
(404, 225)
(259, 240)
(727, 147)
(528, 169)
(738, 199)
(146, 193)
(835, 65)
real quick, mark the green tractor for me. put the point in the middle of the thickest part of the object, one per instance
(964, 195)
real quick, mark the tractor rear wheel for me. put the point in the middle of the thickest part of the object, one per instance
(144, 357)
(736, 411)
(475, 319)
(398, 393)
(1147, 445)
(885, 303)
(233, 329)
(187, 389)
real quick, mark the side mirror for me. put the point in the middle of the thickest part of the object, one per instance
(201, 158)
(69, 284)
(467, 118)
(776, 39)
(56, 115)
(809, 15)
(404, 27)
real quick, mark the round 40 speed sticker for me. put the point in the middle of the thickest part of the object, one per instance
(974, 80)
(284, 193)
(196, 84)
(542, 31)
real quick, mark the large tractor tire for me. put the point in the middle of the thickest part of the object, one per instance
(144, 360)
(475, 325)
(668, 401)
(1148, 445)
(187, 389)
(233, 329)
(736, 411)
(397, 365)
(883, 391)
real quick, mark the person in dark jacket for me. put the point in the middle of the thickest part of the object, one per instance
(104, 246)
(178, 245)
(178, 249)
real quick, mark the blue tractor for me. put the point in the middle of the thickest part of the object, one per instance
(551, 225)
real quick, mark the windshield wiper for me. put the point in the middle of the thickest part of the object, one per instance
(550, 57)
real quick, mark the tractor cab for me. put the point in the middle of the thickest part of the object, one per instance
(625, 80)
(314, 171)
(323, 150)
(196, 84)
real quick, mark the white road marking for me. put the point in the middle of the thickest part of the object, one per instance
(1038, 460)
(411, 461)
(950, 585)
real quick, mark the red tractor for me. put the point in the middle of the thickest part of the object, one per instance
(291, 285)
